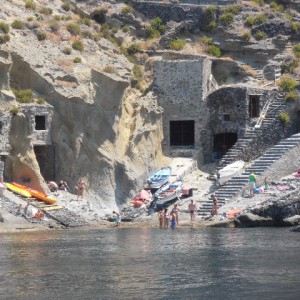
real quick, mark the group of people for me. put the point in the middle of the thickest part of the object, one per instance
(63, 186)
(32, 212)
(252, 184)
(165, 217)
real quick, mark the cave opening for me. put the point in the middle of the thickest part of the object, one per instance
(222, 143)
(182, 133)
(45, 156)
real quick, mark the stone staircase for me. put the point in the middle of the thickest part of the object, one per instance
(236, 184)
(275, 106)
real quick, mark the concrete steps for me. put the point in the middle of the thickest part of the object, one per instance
(236, 184)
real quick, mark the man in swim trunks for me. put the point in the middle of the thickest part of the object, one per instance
(192, 208)
(173, 220)
(175, 209)
(252, 181)
(117, 219)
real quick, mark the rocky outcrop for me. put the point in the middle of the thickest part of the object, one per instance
(282, 212)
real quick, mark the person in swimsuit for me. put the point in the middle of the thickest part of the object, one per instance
(192, 208)
(175, 210)
(117, 219)
(166, 218)
(161, 218)
(214, 210)
(173, 220)
(80, 187)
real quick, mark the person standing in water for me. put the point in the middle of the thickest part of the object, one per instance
(166, 218)
(173, 220)
(161, 218)
(175, 210)
(192, 208)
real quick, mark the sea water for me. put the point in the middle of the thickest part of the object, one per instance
(147, 263)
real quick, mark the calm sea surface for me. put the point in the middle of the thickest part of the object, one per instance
(151, 264)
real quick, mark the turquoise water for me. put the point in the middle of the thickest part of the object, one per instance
(129, 263)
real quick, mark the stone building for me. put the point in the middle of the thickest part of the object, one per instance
(182, 87)
(39, 119)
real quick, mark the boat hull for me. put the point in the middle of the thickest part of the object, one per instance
(39, 195)
(18, 190)
(159, 178)
(168, 193)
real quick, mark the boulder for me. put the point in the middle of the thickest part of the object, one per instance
(251, 220)
(291, 221)
(296, 229)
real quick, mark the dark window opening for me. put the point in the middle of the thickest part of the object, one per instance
(226, 117)
(222, 143)
(254, 109)
(40, 122)
(46, 160)
(182, 133)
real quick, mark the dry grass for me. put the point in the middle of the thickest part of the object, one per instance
(66, 63)
(249, 70)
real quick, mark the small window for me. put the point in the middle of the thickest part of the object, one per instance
(40, 122)
(226, 117)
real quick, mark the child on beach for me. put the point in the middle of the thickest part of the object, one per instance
(117, 218)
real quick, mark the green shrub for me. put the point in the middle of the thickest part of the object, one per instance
(66, 6)
(74, 29)
(54, 26)
(125, 28)
(41, 100)
(30, 19)
(77, 60)
(41, 35)
(46, 11)
(212, 24)
(109, 69)
(17, 24)
(250, 21)
(138, 72)
(290, 68)
(67, 51)
(177, 44)
(114, 29)
(296, 50)
(285, 117)
(246, 36)
(260, 35)
(4, 27)
(14, 110)
(227, 18)
(233, 9)
(205, 40)
(260, 2)
(287, 84)
(157, 24)
(4, 38)
(87, 34)
(133, 48)
(77, 45)
(291, 96)
(126, 9)
(85, 21)
(23, 96)
(57, 17)
(260, 19)
(295, 26)
(68, 17)
(30, 5)
(276, 7)
(214, 50)
(209, 14)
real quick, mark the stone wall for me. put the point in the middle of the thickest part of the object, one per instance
(5, 122)
(39, 137)
(181, 88)
(170, 12)
(199, 2)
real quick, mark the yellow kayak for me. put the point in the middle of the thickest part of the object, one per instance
(18, 190)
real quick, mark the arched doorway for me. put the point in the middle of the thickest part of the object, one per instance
(222, 143)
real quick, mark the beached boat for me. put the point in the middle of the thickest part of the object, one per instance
(18, 190)
(39, 195)
(159, 177)
(167, 193)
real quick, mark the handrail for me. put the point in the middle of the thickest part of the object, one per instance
(263, 113)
